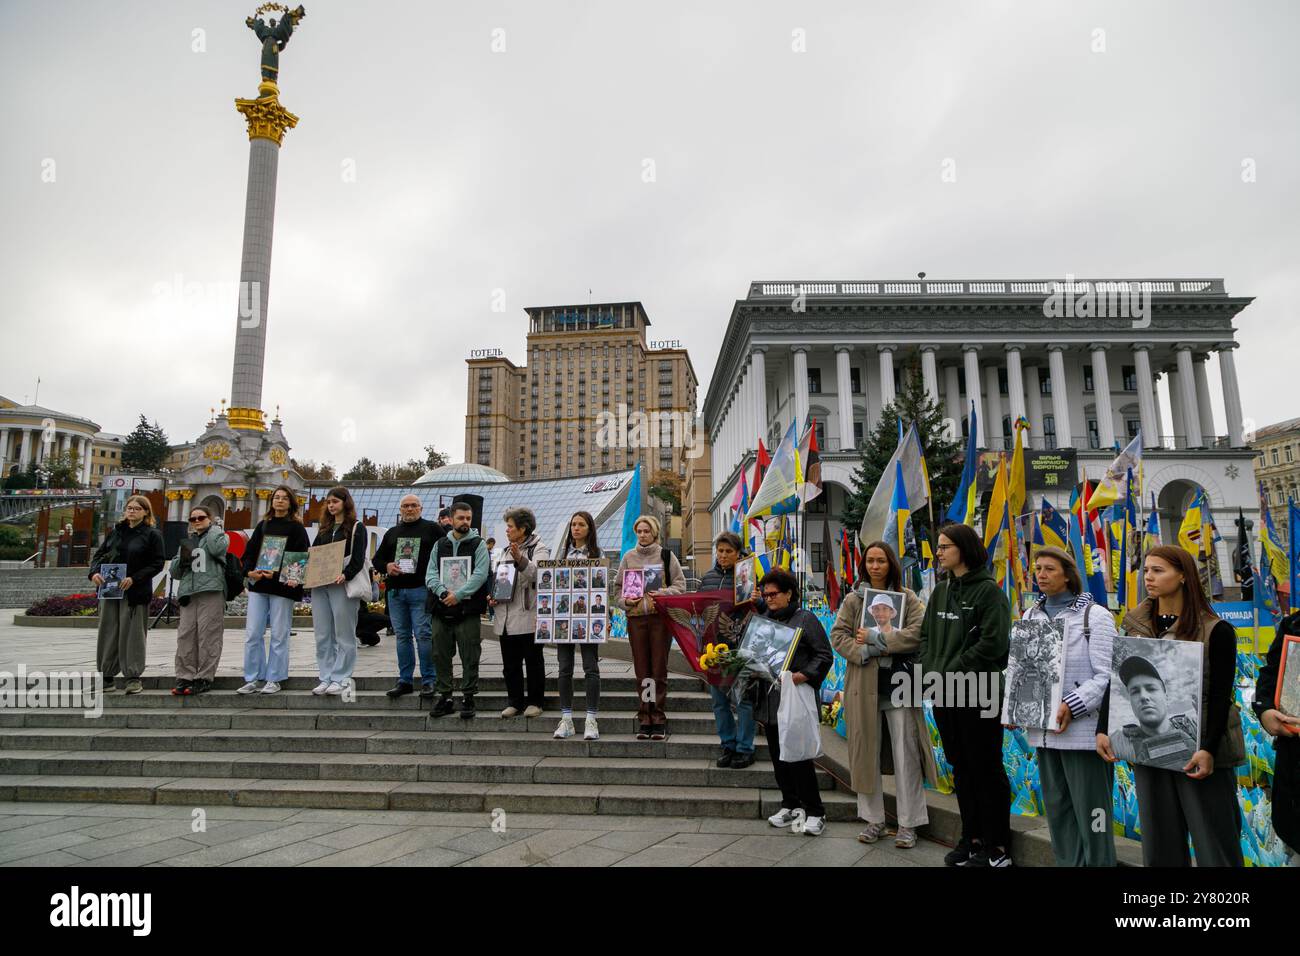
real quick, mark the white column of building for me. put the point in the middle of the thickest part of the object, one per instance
(972, 360)
(86, 448)
(1231, 395)
(800, 386)
(25, 451)
(1034, 386)
(844, 392)
(952, 395)
(1060, 396)
(1203, 396)
(759, 362)
(887, 392)
(930, 373)
(993, 398)
(1176, 407)
(1101, 397)
(1187, 396)
(746, 412)
(1160, 418)
(4, 450)
(1015, 384)
(1146, 395)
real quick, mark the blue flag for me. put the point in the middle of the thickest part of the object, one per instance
(962, 509)
(631, 511)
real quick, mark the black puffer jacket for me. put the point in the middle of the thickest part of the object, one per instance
(813, 658)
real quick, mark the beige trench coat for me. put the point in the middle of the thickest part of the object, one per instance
(861, 688)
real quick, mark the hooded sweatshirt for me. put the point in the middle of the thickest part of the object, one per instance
(967, 626)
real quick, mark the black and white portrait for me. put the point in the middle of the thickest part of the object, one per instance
(1155, 701)
(1035, 671)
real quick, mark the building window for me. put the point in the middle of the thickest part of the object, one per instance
(1049, 431)
(1275, 456)
(821, 433)
(1002, 382)
(818, 559)
(814, 381)
(1289, 459)
(857, 433)
(1045, 385)
(1006, 429)
(1130, 378)
(1094, 436)
(855, 381)
(1132, 426)
(1087, 381)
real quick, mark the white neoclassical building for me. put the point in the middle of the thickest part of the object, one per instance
(1087, 362)
(34, 434)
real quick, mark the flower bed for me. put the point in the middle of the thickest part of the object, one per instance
(77, 605)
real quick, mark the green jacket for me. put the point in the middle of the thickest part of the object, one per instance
(204, 570)
(967, 626)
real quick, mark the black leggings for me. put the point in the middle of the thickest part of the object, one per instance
(973, 745)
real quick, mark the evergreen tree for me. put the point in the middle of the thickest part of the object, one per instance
(943, 456)
(146, 447)
(363, 470)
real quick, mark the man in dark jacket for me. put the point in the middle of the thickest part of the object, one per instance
(403, 555)
(809, 664)
(456, 610)
(1285, 729)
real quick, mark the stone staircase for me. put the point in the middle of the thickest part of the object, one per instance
(293, 749)
(22, 587)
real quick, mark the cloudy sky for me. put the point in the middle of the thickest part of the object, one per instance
(429, 170)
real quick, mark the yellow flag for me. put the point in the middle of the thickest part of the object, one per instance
(997, 504)
(1016, 490)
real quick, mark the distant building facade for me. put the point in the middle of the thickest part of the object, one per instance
(1277, 467)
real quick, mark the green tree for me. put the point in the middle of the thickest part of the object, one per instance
(666, 485)
(64, 470)
(310, 471)
(146, 447)
(363, 470)
(943, 456)
(433, 459)
(408, 472)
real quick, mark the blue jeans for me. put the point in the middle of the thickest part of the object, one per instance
(334, 618)
(264, 609)
(736, 732)
(414, 628)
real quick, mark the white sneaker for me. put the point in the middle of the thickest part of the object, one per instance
(782, 818)
(532, 710)
(814, 826)
(510, 712)
(335, 688)
(271, 688)
(565, 729)
(321, 688)
(249, 688)
(593, 729)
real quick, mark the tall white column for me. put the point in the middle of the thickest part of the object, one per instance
(1160, 416)
(1176, 408)
(930, 373)
(746, 410)
(972, 361)
(952, 395)
(4, 451)
(1203, 405)
(1146, 395)
(85, 461)
(993, 397)
(1187, 392)
(759, 362)
(1231, 395)
(800, 386)
(887, 392)
(1034, 386)
(25, 451)
(1060, 396)
(1015, 384)
(844, 392)
(1101, 397)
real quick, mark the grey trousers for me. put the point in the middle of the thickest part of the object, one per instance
(120, 646)
(199, 636)
(1078, 796)
(590, 675)
(1171, 805)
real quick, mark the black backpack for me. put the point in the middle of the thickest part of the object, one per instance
(234, 574)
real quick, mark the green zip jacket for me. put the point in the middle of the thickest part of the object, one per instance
(967, 626)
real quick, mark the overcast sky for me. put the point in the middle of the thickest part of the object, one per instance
(523, 171)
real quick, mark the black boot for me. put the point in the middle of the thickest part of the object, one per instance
(444, 707)
(467, 706)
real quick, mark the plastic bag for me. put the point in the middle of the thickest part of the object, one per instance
(797, 723)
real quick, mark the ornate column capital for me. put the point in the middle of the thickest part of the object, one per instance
(971, 347)
(1056, 346)
(929, 348)
(1014, 347)
(1143, 346)
(886, 348)
(267, 119)
(1098, 346)
(1226, 346)
(844, 348)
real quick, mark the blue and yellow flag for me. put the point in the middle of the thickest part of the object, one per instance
(779, 493)
(962, 508)
(898, 532)
(1052, 527)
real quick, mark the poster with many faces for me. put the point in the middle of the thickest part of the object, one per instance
(572, 602)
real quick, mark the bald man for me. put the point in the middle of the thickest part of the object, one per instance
(403, 558)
